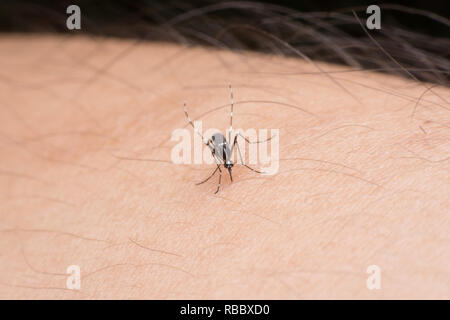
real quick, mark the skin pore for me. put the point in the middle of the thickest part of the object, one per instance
(86, 176)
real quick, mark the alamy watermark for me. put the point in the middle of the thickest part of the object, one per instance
(373, 282)
(374, 20)
(73, 281)
(73, 22)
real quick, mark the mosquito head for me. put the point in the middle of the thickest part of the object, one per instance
(228, 164)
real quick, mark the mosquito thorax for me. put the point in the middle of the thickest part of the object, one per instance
(218, 139)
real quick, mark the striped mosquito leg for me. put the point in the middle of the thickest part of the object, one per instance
(240, 156)
(192, 125)
(220, 180)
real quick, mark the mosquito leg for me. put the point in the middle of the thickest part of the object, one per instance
(208, 143)
(252, 168)
(235, 143)
(259, 141)
(240, 156)
(220, 180)
(212, 174)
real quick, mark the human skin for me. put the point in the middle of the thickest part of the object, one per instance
(86, 176)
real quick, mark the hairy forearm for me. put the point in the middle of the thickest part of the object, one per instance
(86, 176)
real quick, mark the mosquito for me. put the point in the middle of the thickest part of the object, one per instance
(220, 147)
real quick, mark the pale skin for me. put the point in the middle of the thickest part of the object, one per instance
(363, 177)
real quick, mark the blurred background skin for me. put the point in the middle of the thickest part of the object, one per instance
(85, 172)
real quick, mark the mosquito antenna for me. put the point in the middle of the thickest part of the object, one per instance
(231, 113)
